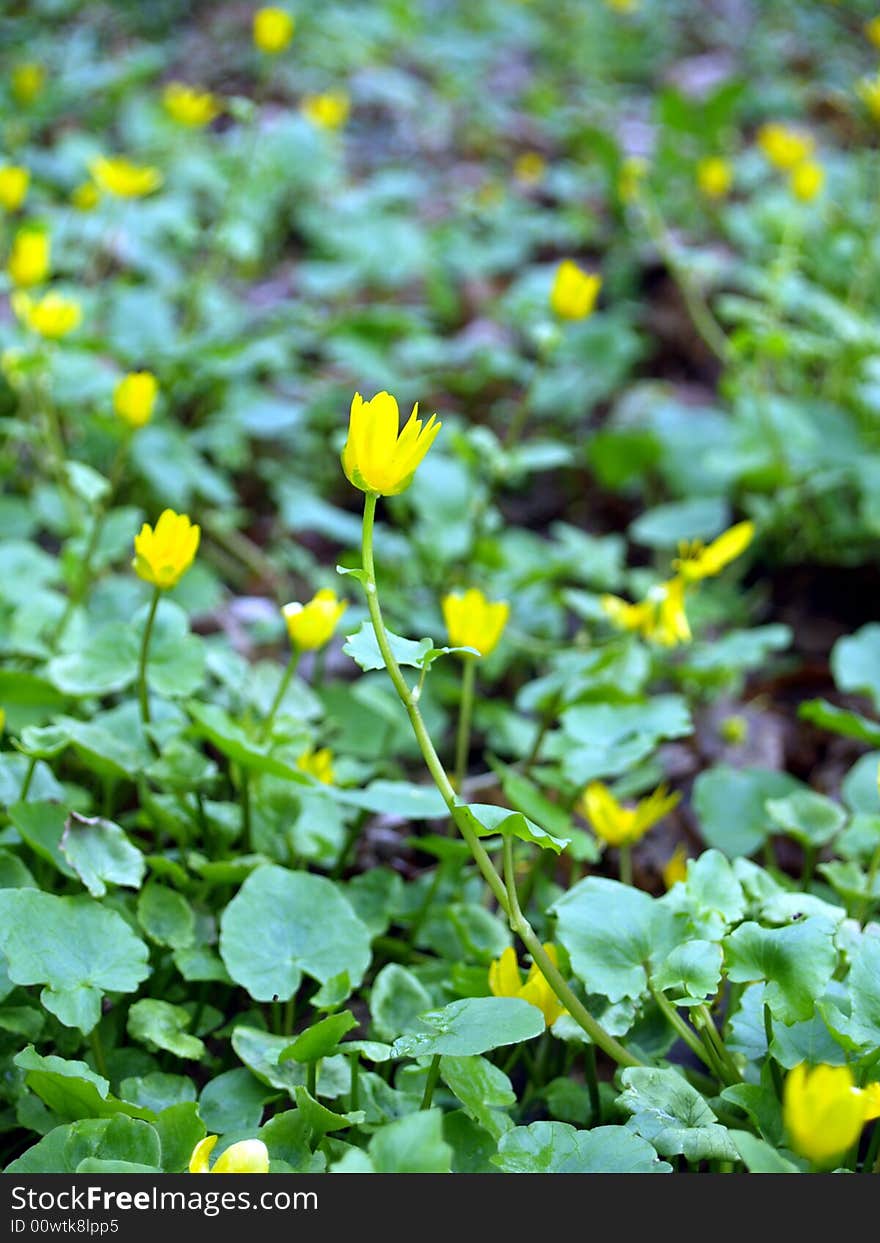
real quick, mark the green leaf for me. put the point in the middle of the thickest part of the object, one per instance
(166, 916)
(364, 650)
(106, 663)
(730, 805)
(487, 819)
(396, 1000)
(78, 949)
(222, 732)
(176, 664)
(809, 818)
(233, 1102)
(179, 1128)
(483, 1089)
(99, 852)
(472, 1025)
(71, 1089)
(28, 701)
(665, 526)
(610, 932)
(758, 1156)
(320, 1119)
(673, 1116)
(397, 798)
(66, 1148)
(42, 826)
(797, 962)
(412, 1145)
(606, 739)
(840, 721)
(160, 1025)
(855, 662)
(557, 1148)
(282, 924)
(321, 1039)
(691, 972)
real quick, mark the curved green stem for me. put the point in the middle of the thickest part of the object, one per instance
(142, 662)
(465, 711)
(279, 694)
(505, 895)
(431, 1082)
(681, 1029)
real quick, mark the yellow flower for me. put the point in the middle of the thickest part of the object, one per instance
(318, 764)
(574, 291)
(869, 90)
(783, 146)
(327, 111)
(189, 106)
(29, 258)
(696, 560)
(632, 173)
(505, 981)
(473, 622)
(248, 1156)
(27, 82)
(118, 176)
(379, 457)
(273, 30)
(660, 617)
(529, 168)
(806, 181)
(162, 556)
(311, 625)
(135, 396)
(714, 176)
(85, 196)
(14, 182)
(675, 867)
(824, 1111)
(622, 6)
(622, 826)
(52, 316)
(872, 30)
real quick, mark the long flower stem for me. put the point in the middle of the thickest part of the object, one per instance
(505, 895)
(279, 695)
(142, 662)
(677, 1023)
(625, 860)
(465, 711)
(431, 1082)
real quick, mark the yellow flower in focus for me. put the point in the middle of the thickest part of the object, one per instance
(675, 867)
(379, 457)
(85, 196)
(472, 621)
(162, 556)
(633, 172)
(135, 396)
(248, 1156)
(118, 176)
(14, 182)
(273, 30)
(806, 181)
(574, 291)
(872, 30)
(188, 106)
(52, 316)
(784, 147)
(505, 981)
(318, 764)
(29, 257)
(327, 111)
(824, 1111)
(529, 168)
(714, 177)
(617, 825)
(27, 82)
(311, 625)
(696, 560)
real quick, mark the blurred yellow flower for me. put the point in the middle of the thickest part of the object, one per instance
(248, 1156)
(807, 180)
(189, 106)
(327, 111)
(118, 176)
(472, 621)
(318, 764)
(27, 82)
(163, 556)
(29, 257)
(379, 457)
(52, 316)
(311, 625)
(633, 171)
(273, 29)
(14, 182)
(530, 168)
(824, 1111)
(85, 196)
(783, 146)
(505, 980)
(869, 91)
(872, 30)
(623, 826)
(135, 396)
(675, 867)
(714, 176)
(574, 291)
(622, 6)
(660, 617)
(697, 560)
